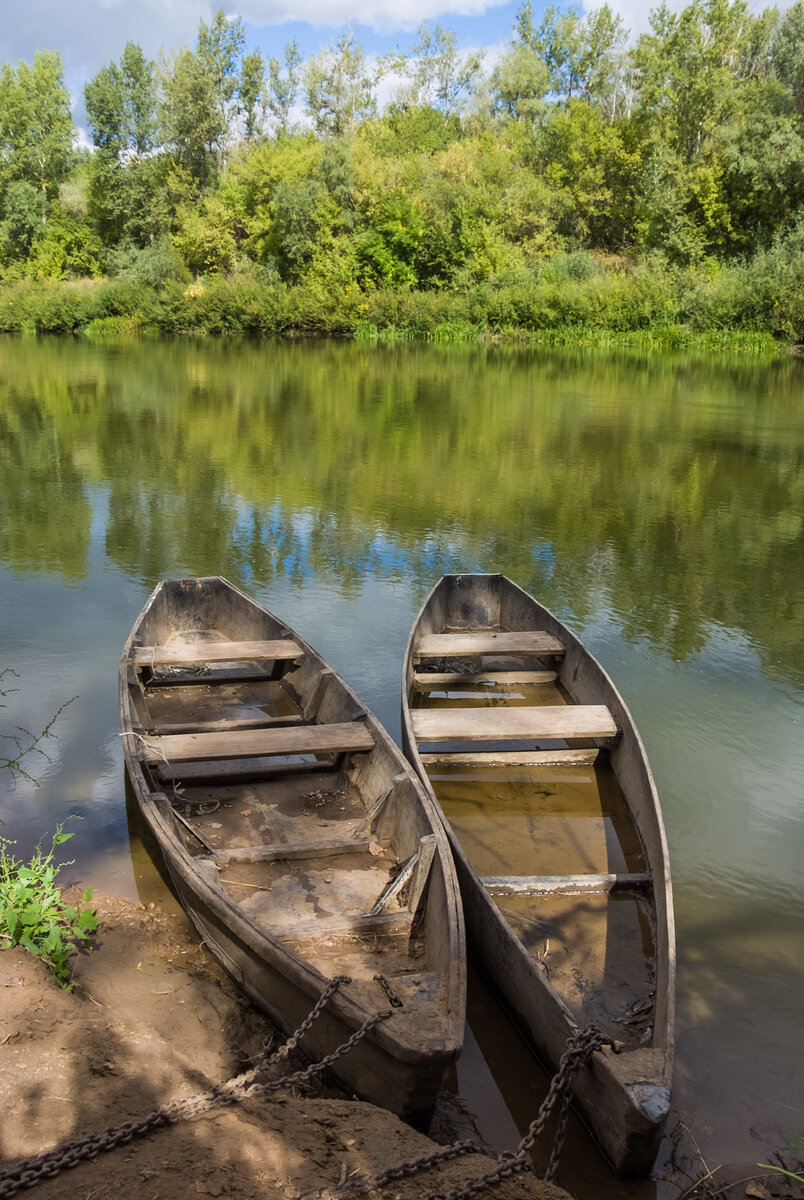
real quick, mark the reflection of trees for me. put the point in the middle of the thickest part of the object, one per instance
(44, 511)
(671, 491)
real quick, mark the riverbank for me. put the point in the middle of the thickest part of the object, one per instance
(153, 1018)
(607, 307)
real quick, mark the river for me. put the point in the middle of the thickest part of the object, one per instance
(656, 504)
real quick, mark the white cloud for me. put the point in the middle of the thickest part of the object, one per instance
(636, 14)
(89, 33)
(380, 15)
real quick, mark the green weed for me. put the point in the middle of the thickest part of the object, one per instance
(33, 913)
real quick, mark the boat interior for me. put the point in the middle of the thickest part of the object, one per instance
(289, 798)
(523, 776)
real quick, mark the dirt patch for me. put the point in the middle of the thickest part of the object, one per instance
(153, 1018)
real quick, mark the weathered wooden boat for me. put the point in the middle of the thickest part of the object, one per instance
(557, 833)
(299, 840)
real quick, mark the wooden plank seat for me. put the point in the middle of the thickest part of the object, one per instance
(355, 925)
(464, 645)
(431, 681)
(239, 770)
(564, 885)
(226, 724)
(279, 649)
(291, 850)
(513, 758)
(513, 723)
(337, 738)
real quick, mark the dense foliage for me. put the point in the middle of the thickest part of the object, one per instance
(588, 180)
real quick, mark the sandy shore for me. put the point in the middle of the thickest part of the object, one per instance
(152, 1018)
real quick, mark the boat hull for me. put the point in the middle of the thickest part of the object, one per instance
(623, 1097)
(399, 1063)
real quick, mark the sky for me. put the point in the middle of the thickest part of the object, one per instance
(90, 33)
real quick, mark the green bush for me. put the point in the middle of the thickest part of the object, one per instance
(33, 912)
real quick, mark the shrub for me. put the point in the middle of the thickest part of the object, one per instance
(33, 912)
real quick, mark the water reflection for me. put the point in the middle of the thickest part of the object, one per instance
(655, 504)
(641, 476)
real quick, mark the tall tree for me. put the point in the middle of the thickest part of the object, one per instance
(193, 126)
(519, 83)
(36, 125)
(283, 85)
(689, 69)
(252, 95)
(438, 72)
(121, 105)
(583, 54)
(787, 53)
(220, 47)
(338, 88)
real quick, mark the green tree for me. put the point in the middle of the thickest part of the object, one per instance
(761, 154)
(24, 209)
(36, 126)
(519, 83)
(689, 70)
(194, 129)
(787, 53)
(283, 86)
(438, 74)
(338, 89)
(584, 55)
(219, 47)
(121, 105)
(252, 95)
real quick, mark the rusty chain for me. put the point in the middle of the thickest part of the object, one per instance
(579, 1049)
(389, 991)
(30, 1172)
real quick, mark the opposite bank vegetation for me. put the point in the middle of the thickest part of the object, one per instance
(589, 187)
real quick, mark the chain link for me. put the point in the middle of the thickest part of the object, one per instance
(32, 1171)
(394, 1000)
(579, 1049)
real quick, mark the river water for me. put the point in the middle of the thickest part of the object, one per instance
(656, 504)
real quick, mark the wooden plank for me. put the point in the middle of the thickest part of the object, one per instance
(393, 887)
(337, 738)
(164, 728)
(511, 723)
(513, 758)
(290, 850)
(563, 885)
(222, 770)
(426, 681)
(424, 863)
(213, 652)
(393, 923)
(462, 645)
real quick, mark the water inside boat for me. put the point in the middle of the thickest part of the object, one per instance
(552, 822)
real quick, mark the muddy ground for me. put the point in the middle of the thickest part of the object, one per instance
(151, 1018)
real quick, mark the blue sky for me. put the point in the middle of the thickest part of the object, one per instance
(90, 33)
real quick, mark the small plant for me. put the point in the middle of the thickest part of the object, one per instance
(33, 913)
(782, 1171)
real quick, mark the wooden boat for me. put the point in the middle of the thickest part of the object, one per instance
(555, 826)
(300, 842)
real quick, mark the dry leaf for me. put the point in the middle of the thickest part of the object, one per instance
(245, 812)
(376, 849)
(757, 1191)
